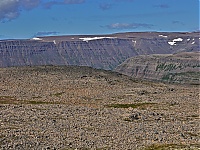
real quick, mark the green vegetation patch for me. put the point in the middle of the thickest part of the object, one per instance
(57, 94)
(8, 100)
(34, 97)
(168, 67)
(135, 105)
(86, 98)
(38, 102)
(178, 77)
(103, 148)
(172, 66)
(172, 147)
(12, 100)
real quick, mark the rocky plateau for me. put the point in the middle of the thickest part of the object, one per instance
(81, 108)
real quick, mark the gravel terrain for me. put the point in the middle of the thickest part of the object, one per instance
(81, 108)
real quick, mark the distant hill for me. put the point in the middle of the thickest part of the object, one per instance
(98, 51)
(180, 68)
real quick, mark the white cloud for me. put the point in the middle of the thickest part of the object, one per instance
(105, 6)
(63, 2)
(29, 4)
(74, 1)
(128, 25)
(10, 9)
(45, 33)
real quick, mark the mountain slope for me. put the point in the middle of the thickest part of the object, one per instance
(98, 51)
(181, 67)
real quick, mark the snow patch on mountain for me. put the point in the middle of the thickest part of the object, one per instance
(36, 38)
(95, 38)
(134, 42)
(175, 41)
(163, 36)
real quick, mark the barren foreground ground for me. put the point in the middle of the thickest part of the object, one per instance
(82, 108)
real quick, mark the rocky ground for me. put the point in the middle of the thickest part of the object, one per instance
(81, 108)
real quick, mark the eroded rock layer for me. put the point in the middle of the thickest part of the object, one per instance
(181, 67)
(98, 51)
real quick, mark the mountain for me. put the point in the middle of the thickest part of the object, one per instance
(180, 67)
(98, 51)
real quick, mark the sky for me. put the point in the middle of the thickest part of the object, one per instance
(24, 19)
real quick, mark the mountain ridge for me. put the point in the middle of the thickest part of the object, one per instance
(98, 51)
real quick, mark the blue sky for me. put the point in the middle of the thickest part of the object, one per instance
(32, 18)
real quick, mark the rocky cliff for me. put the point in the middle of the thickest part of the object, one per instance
(181, 67)
(100, 51)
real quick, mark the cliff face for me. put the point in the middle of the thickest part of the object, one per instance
(105, 51)
(181, 67)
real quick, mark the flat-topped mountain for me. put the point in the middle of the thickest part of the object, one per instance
(181, 67)
(98, 51)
